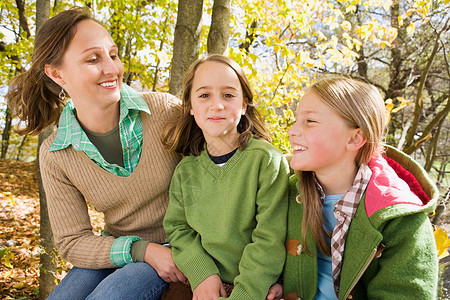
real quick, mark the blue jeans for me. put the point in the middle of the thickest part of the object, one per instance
(134, 281)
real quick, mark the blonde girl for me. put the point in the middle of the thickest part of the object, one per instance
(357, 223)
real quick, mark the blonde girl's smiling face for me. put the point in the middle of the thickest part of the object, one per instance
(320, 138)
(91, 71)
(217, 104)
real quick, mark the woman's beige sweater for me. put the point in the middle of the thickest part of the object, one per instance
(132, 206)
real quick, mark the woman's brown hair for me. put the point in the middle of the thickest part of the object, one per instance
(33, 96)
(360, 105)
(185, 137)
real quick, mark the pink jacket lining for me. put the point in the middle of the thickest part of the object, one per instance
(392, 184)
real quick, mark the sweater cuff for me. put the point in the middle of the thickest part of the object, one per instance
(238, 293)
(200, 267)
(121, 250)
(138, 250)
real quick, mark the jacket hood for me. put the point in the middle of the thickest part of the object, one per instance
(398, 180)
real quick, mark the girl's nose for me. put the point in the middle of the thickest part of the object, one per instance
(216, 104)
(294, 130)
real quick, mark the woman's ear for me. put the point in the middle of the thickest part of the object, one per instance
(244, 106)
(357, 140)
(55, 74)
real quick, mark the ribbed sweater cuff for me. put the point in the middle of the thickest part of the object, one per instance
(238, 293)
(200, 267)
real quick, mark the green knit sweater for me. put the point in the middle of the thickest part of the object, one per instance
(230, 220)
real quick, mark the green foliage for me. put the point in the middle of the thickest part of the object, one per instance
(17, 52)
(282, 45)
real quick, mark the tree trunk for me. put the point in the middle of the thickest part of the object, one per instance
(48, 268)
(219, 32)
(23, 17)
(186, 42)
(22, 143)
(23, 25)
(6, 132)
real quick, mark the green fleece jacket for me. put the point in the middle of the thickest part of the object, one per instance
(230, 220)
(392, 212)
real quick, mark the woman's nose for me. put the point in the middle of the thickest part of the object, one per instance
(110, 66)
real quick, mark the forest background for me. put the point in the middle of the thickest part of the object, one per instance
(401, 47)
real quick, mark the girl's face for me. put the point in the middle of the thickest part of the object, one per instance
(319, 137)
(91, 71)
(217, 103)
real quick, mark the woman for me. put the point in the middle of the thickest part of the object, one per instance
(107, 152)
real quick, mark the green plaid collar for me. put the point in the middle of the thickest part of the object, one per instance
(70, 131)
(130, 130)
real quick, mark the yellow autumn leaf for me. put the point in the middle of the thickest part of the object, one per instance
(7, 259)
(18, 285)
(403, 103)
(409, 12)
(7, 274)
(352, 9)
(410, 29)
(388, 104)
(442, 242)
(346, 25)
(391, 34)
(12, 200)
(335, 55)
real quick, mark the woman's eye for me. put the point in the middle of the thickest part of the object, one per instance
(310, 121)
(92, 59)
(114, 56)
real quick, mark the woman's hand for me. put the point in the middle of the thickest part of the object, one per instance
(275, 292)
(210, 289)
(160, 258)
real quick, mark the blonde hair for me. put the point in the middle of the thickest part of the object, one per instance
(360, 105)
(33, 96)
(183, 135)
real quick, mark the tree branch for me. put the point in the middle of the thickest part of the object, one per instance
(419, 97)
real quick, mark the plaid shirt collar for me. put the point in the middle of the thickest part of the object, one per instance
(70, 131)
(344, 211)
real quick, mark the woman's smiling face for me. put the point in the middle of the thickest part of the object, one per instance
(91, 71)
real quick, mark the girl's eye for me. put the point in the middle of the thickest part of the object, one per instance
(114, 56)
(204, 96)
(310, 121)
(228, 95)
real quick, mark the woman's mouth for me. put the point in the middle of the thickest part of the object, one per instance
(109, 84)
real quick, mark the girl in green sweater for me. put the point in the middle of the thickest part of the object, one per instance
(226, 219)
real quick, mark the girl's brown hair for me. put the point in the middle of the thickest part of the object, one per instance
(360, 105)
(185, 137)
(33, 96)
